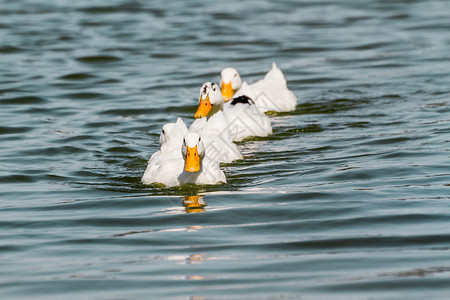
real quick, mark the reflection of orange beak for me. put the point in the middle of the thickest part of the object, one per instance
(227, 91)
(203, 108)
(192, 160)
(194, 202)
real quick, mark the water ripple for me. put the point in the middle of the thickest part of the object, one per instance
(24, 100)
(347, 199)
(77, 76)
(98, 59)
(14, 130)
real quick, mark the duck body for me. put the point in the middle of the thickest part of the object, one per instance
(182, 160)
(216, 137)
(269, 94)
(242, 117)
(245, 120)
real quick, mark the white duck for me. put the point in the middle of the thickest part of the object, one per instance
(182, 161)
(170, 140)
(243, 119)
(270, 93)
(218, 143)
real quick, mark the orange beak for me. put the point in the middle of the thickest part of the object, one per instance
(192, 160)
(203, 108)
(227, 91)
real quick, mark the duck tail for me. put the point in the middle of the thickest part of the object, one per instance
(274, 65)
(276, 74)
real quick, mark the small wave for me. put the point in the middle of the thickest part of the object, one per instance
(51, 151)
(77, 76)
(147, 111)
(17, 178)
(390, 140)
(10, 49)
(305, 50)
(120, 150)
(330, 107)
(134, 7)
(24, 100)
(371, 46)
(164, 55)
(95, 59)
(315, 80)
(108, 124)
(84, 96)
(13, 130)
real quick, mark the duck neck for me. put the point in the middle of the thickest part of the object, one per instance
(215, 108)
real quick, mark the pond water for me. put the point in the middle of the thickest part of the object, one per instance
(348, 199)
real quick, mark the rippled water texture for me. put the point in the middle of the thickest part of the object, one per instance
(348, 199)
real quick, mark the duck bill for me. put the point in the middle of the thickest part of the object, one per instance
(192, 164)
(227, 91)
(203, 108)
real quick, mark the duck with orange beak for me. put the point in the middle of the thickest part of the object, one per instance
(183, 164)
(230, 83)
(209, 102)
(242, 117)
(199, 168)
(269, 94)
(193, 152)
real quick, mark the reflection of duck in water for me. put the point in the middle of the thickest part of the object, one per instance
(195, 259)
(194, 204)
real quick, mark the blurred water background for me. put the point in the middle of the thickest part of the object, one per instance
(348, 199)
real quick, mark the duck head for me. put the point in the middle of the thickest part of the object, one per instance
(193, 151)
(230, 83)
(211, 100)
(172, 134)
(165, 133)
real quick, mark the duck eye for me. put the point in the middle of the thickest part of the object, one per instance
(235, 75)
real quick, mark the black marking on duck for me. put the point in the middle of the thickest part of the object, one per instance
(242, 99)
